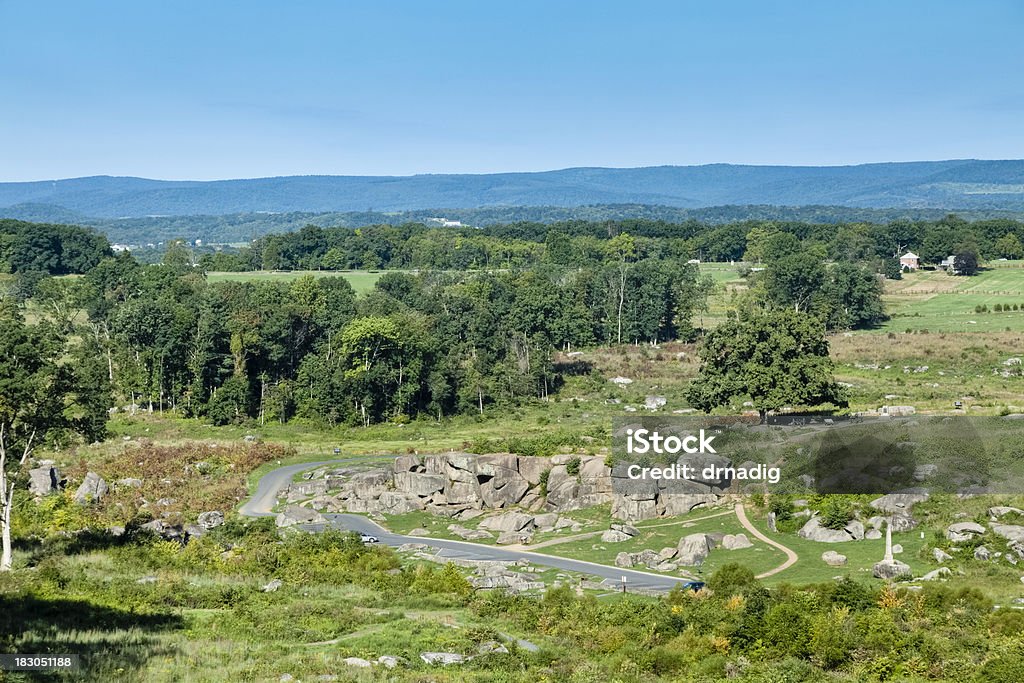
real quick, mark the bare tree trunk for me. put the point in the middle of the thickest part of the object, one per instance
(7, 496)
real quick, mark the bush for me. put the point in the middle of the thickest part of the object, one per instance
(573, 466)
(731, 579)
(835, 512)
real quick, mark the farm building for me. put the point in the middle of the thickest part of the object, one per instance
(910, 261)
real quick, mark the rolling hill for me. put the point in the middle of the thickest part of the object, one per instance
(957, 184)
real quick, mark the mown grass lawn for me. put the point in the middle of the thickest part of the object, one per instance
(361, 280)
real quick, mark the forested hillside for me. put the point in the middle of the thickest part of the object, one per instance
(957, 184)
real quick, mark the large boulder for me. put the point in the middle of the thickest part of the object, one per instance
(93, 489)
(294, 515)
(736, 542)
(833, 559)
(890, 569)
(419, 484)
(510, 521)
(43, 480)
(964, 531)
(1011, 532)
(508, 494)
(514, 537)
(899, 503)
(469, 534)
(1000, 510)
(813, 530)
(615, 536)
(693, 549)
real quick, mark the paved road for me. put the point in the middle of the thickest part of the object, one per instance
(263, 500)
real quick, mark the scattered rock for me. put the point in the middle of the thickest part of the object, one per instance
(1011, 532)
(420, 532)
(388, 661)
(624, 560)
(272, 586)
(93, 489)
(510, 521)
(941, 555)
(514, 537)
(982, 553)
(1001, 510)
(613, 536)
(736, 542)
(936, 574)
(442, 658)
(357, 662)
(872, 534)
(654, 402)
(833, 559)
(128, 483)
(621, 381)
(897, 548)
(964, 531)
(210, 520)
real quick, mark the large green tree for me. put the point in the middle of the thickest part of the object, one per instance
(774, 358)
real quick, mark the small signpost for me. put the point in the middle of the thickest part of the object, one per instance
(623, 583)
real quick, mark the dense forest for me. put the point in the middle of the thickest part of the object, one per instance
(477, 322)
(236, 228)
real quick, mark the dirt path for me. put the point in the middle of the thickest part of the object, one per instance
(791, 557)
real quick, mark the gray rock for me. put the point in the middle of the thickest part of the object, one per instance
(272, 586)
(1011, 532)
(1000, 510)
(890, 569)
(693, 550)
(736, 542)
(510, 521)
(654, 402)
(898, 503)
(469, 534)
(128, 483)
(514, 537)
(964, 531)
(833, 559)
(814, 531)
(627, 529)
(43, 480)
(668, 553)
(442, 658)
(624, 560)
(420, 532)
(210, 520)
(492, 647)
(941, 555)
(293, 515)
(897, 549)
(358, 662)
(613, 536)
(872, 534)
(934, 575)
(389, 661)
(93, 489)
(982, 553)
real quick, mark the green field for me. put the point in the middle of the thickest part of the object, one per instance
(361, 280)
(938, 302)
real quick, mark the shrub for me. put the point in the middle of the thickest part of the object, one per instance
(835, 513)
(730, 579)
(573, 466)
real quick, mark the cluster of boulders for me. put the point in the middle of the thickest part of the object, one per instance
(515, 577)
(691, 551)
(462, 486)
(896, 506)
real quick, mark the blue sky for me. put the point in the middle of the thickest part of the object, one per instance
(219, 89)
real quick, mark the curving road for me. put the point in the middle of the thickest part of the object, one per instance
(262, 502)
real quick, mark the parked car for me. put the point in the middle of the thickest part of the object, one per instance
(367, 538)
(692, 585)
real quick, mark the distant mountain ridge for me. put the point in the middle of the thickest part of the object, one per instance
(954, 184)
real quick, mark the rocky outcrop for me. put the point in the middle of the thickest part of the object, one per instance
(813, 530)
(1011, 532)
(964, 531)
(92, 490)
(294, 515)
(693, 550)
